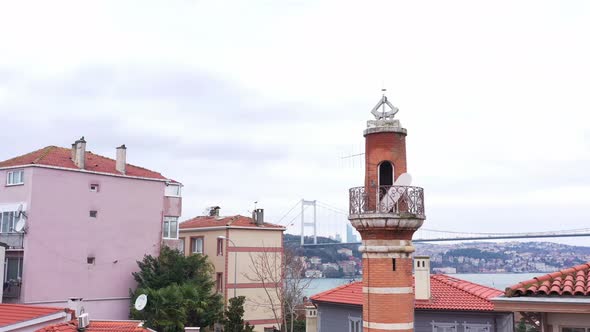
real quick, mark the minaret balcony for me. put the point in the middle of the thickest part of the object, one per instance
(395, 201)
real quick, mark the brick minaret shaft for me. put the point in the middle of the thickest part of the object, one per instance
(388, 297)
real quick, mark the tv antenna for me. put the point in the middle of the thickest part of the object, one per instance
(21, 211)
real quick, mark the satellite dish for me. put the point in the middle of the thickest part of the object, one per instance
(140, 302)
(20, 225)
(405, 179)
(394, 193)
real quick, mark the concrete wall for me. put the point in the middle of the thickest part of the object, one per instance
(334, 318)
(2, 253)
(560, 320)
(61, 236)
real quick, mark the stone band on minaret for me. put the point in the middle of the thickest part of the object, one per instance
(386, 213)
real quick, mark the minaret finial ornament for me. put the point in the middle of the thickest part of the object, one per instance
(380, 112)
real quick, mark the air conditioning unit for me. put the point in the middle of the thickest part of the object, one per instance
(83, 321)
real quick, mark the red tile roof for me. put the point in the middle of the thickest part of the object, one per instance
(17, 313)
(447, 293)
(97, 326)
(61, 157)
(574, 281)
(233, 221)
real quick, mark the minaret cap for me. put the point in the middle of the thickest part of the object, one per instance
(384, 112)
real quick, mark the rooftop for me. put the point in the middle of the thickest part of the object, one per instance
(61, 157)
(97, 326)
(574, 281)
(228, 221)
(17, 313)
(447, 293)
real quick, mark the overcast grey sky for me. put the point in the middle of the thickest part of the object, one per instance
(259, 100)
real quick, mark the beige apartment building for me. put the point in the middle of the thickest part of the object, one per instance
(247, 255)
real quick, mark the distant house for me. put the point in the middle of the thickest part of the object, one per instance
(313, 274)
(443, 304)
(233, 244)
(315, 260)
(27, 318)
(555, 302)
(75, 223)
(444, 270)
(345, 251)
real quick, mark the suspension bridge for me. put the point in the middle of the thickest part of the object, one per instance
(312, 218)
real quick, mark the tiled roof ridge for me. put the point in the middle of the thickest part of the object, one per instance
(58, 326)
(36, 307)
(103, 325)
(467, 286)
(228, 221)
(55, 156)
(330, 291)
(128, 164)
(232, 219)
(45, 153)
(49, 148)
(537, 286)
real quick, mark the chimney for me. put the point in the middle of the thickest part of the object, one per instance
(121, 159)
(74, 152)
(422, 277)
(80, 153)
(214, 211)
(76, 304)
(258, 216)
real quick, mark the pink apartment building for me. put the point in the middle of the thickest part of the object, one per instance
(74, 224)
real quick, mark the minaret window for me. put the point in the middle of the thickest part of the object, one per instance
(385, 174)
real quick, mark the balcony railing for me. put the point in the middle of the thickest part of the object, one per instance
(401, 200)
(13, 240)
(11, 289)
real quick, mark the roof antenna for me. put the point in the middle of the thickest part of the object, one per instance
(383, 90)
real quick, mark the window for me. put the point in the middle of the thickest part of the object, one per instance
(219, 282)
(355, 324)
(219, 247)
(443, 327)
(385, 174)
(94, 188)
(574, 329)
(8, 220)
(197, 245)
(93, 213)
(15, 177)
(13, 269)
(172, 190)
(478, 327)
(90, 260)
(181, 245)
(170, 228)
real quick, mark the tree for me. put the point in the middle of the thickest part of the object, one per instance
(234, 314)
(281, 276)
(179, 290)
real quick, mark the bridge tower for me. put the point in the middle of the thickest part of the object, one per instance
(386, 212)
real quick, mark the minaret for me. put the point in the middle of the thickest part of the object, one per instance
(386, 212)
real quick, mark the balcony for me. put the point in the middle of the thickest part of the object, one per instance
(12, 240)
(404, 201)
(11, 289)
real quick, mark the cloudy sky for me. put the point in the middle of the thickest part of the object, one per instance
(260, 100)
